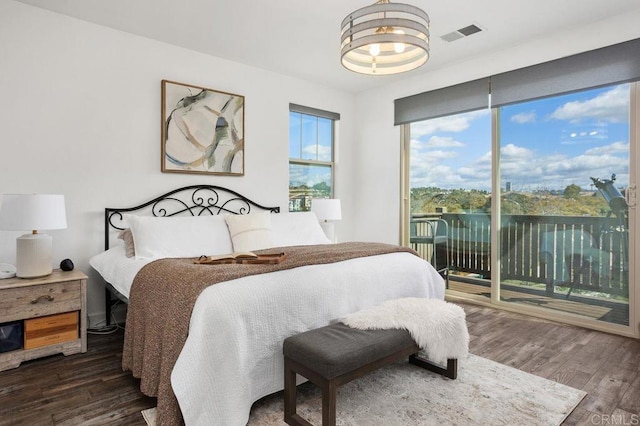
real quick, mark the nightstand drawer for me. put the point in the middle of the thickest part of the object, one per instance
(50, 330)
(39, 300)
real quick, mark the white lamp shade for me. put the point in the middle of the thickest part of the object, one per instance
(326, 209)
(23, 212)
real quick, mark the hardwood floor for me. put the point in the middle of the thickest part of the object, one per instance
(87, 389)
(91, 388)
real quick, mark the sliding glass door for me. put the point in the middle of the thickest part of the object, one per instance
(539, 201)
(564, 228)
(450, 179)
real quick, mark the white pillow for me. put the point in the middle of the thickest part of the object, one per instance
(187, 236)
(297, 229)
(251, 231)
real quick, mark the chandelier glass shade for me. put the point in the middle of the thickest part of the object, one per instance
(385, 38)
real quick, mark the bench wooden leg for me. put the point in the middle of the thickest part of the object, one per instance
(329, 396)
(451, 371)
(290, 396)
(289, 391)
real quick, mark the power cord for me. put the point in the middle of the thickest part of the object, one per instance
(107, 329)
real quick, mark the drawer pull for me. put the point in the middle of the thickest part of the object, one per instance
(47, 297)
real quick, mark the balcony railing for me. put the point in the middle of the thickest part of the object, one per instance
(588, 253)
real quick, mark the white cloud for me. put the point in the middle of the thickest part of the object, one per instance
(443, 142)
(511, 152)
(612, 106)
(429, 161)
(524, 117)
(436, 175)
(417, 144)
(614, 148)
(558, 171)
(584, 132)
(309, 152)
(427, 171)
(525, 169)
(451, 123)
(436, 155)
(585, 164)
(423, 154)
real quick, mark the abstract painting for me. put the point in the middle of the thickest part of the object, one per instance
(202, 130)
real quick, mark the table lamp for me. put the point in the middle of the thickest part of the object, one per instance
(327, 210)
(21, 212)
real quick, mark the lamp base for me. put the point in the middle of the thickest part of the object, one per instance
(33, 255)
(329, 230)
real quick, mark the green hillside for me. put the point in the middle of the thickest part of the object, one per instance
(571, 202)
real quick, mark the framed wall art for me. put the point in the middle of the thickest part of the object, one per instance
(202, 130)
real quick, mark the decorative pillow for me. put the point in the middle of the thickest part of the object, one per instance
(187, 236)
(297, 229)
(127, 236)
(251, 231)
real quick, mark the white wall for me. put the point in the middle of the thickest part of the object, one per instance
(377, 170)
(80, 116)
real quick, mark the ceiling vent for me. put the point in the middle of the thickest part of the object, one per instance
(460, 33)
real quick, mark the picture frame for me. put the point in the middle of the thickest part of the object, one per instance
(202, 130)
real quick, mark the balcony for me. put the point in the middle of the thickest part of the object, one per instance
(566, 263)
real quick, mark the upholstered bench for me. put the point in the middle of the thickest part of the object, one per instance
(337, 354)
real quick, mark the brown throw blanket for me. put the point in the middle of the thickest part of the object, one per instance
(162, 298)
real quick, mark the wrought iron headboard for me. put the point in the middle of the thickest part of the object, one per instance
(195, 200)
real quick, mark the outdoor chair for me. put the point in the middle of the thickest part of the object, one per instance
(432, 232)
(569, 258)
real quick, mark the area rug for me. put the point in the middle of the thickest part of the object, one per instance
(485, 393)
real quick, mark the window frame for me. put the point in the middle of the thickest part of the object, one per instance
(317, 114)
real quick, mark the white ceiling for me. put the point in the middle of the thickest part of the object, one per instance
(301, 38)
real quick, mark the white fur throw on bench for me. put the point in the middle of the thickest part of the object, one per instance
(438, 327)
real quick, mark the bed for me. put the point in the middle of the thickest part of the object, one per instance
(231, 352)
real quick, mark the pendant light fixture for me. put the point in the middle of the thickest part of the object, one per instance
(385, 38)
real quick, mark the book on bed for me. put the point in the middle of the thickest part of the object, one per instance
(246, 258)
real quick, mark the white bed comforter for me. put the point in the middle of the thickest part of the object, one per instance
(233, 354)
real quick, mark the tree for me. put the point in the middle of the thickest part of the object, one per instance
(322, 188)
(572, 191)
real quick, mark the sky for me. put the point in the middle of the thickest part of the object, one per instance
(310, 138)
(545, 144)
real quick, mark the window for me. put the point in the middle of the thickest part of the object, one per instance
(450, 178)
(562, 168)
(311, 147)
(559, 234)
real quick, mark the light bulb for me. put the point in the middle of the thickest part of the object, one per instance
(374, 49)
(398, 47)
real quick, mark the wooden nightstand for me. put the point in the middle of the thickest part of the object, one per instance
(46, 306)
